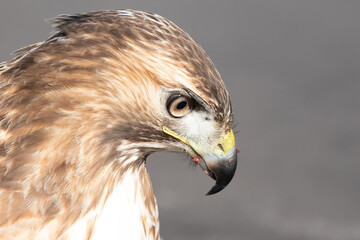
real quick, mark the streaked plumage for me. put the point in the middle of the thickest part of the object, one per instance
(81, 111)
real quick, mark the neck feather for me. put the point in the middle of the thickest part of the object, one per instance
(127, 209)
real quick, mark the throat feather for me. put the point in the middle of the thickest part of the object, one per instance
(127, 211)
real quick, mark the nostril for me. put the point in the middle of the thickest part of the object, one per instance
(221, 147)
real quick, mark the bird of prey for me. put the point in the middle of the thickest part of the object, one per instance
(81, 111)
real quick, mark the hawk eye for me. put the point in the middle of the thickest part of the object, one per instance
(179, 105)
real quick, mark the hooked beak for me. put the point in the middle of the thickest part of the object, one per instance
(219, 162)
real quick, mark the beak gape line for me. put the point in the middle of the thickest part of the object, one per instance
(219, 165)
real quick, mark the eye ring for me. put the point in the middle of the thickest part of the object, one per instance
(179, 105)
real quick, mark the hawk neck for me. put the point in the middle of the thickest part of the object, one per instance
(127, 211)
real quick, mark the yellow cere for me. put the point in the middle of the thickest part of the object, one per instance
(227, 141)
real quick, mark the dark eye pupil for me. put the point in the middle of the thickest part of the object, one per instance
(181, 105)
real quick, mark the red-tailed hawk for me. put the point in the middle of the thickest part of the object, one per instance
(81, 111)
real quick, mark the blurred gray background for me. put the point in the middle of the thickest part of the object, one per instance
(293, 72)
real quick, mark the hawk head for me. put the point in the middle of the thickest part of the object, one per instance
(117, 85)
(167, 91)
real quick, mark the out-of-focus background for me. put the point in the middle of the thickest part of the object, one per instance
(293, 72)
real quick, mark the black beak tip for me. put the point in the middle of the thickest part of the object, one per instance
(215, 189)
(223, 172)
